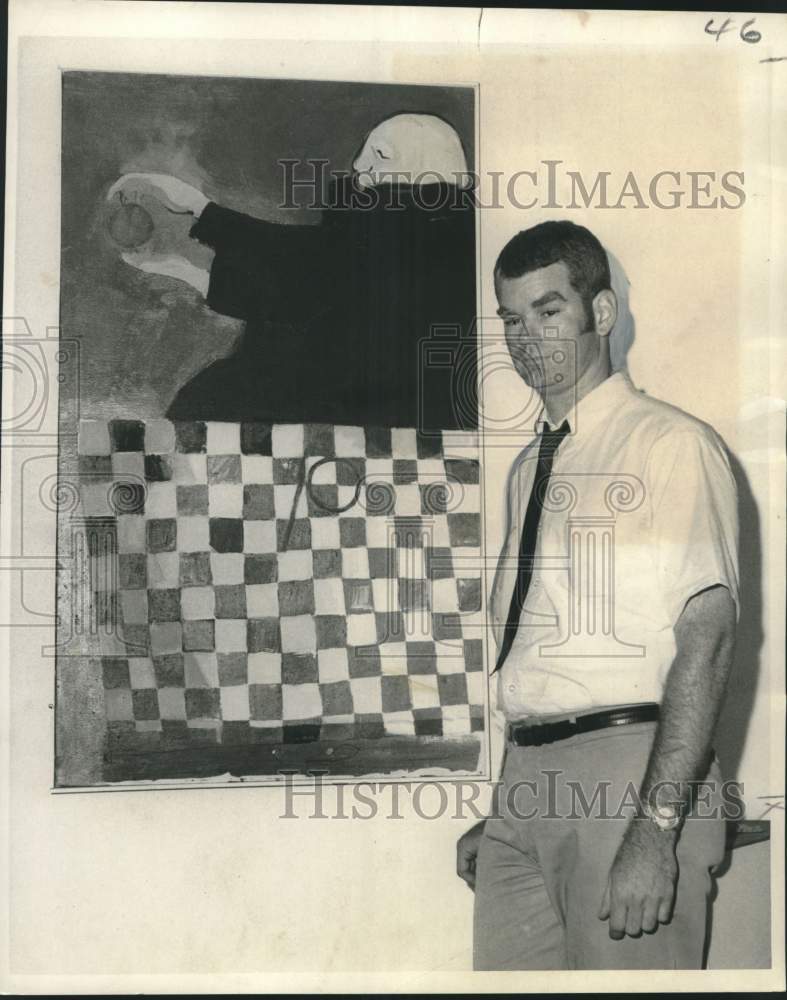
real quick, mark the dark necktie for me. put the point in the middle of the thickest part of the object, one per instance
(550, 442)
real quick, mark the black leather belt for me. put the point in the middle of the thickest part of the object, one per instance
(525, 734)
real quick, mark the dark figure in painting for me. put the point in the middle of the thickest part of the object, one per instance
(338, 315)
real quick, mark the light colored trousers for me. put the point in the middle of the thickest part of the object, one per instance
(540, 878)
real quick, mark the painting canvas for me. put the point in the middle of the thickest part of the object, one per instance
(270, 512)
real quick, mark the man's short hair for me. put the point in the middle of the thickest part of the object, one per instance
(551, 242)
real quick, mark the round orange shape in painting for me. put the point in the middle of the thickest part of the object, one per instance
(130, 226)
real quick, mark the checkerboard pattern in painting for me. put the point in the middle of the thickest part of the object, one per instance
(289, 582)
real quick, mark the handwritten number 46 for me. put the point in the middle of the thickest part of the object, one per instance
(747, 33)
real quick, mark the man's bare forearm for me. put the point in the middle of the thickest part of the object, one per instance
(693, 697)
(641, 886)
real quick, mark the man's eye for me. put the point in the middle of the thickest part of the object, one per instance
(510, 321)
(546, 313)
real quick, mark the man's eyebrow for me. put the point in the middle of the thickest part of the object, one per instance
(547, 298)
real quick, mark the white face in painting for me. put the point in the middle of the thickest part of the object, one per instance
(410, 149)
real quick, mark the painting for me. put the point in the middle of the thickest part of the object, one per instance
(270, 495)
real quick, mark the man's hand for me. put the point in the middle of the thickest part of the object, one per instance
(466, 851)
(641, 887)
(175, 194)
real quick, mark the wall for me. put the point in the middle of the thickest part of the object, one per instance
(740, 933)
(213, 880)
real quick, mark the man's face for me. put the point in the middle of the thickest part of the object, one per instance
(551, 339)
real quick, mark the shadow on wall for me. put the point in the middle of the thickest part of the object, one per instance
(624, 331)
(744, 679)
(738, 934)
(734, 723)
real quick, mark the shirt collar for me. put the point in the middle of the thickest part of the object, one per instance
(591, 408)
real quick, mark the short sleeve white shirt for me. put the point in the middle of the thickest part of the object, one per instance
(640, 515)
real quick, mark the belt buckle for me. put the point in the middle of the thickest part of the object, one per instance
(514, 734)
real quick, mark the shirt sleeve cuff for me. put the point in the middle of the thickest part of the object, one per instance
(681, 596)
(208, 228)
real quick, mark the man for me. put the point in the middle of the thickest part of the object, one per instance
(614, 611)
(336, 312)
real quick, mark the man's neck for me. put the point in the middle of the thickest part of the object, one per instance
(558, 402)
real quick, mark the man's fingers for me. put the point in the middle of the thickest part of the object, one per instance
(650, 916)
(466, 863)
(464, 859)
(634, 920)
(468, 876)
(465, 867)
(603, 911)
(617, 918)
(665, 910)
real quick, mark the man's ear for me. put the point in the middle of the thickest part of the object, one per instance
(605, 311)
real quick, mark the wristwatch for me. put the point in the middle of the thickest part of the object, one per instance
(666, 817)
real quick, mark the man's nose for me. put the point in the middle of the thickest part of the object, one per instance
(525, 334)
